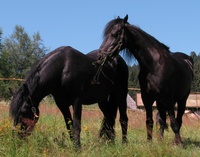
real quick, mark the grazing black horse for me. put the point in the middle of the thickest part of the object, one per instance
(164, 77)
(74, 79)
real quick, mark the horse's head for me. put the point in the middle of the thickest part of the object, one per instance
(114, 36)
(23, 111)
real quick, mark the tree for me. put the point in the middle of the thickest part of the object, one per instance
(196, 81)
(133, 81)
(19, 53)
(0, 40)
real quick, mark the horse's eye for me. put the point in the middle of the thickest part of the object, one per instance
(119, 32)
(116, 33)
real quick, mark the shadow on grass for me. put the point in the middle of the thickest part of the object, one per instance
(189, 142)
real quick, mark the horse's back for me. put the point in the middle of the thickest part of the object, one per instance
(182, 56)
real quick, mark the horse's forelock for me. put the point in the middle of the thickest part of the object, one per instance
(110, 25)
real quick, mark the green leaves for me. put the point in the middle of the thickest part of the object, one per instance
(196, 81)
(19, 52)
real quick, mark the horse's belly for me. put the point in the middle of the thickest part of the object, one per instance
(95, 95)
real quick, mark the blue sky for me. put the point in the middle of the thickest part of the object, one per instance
(80, 24)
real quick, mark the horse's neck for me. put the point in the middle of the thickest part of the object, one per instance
(147, 57)
(148, 51)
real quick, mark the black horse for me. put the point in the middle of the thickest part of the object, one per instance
(164, 77)
(73, 78)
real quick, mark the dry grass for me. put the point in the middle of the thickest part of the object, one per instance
(50, 137)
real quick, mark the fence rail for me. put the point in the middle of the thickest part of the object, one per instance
(193, 100)
(11, 79)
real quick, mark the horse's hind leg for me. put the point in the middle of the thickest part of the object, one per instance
(148, 102)
(180, 111)
(177, 122)
(64, 108)
(109, 111)
(77, 112)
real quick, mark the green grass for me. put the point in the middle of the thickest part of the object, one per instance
(50, 138)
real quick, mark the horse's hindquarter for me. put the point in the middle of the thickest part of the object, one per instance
(64, 71)
(183, 73)
(172, 79)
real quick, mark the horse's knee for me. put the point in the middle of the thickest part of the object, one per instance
(149, 122)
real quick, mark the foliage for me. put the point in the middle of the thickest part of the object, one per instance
(0, 40)
(18, 54)
(133, 79)
(196, 81)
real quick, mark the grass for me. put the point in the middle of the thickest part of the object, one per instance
(50, 138)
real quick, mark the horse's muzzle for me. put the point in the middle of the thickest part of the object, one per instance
(26, 127)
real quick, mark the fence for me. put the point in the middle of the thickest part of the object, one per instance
(193, 101)
(11, 79)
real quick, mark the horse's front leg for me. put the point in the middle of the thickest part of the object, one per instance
(149, 117)
(77, 111)
(149, 122)
(161, 118)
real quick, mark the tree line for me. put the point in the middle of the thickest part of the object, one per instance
(20, 52)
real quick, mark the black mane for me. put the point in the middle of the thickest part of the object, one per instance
(145, 37)
(30, 84)
(108, 28)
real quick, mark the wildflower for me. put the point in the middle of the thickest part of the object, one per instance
(85, 128)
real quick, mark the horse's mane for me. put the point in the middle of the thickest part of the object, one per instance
(24, 91)
(109, 26)
(146, 38)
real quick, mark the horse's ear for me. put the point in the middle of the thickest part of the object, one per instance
(12, 92)
(126, 18)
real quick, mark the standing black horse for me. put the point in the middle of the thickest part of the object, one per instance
(74, 79)
(164, 77)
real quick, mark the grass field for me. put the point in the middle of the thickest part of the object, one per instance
(50, 137)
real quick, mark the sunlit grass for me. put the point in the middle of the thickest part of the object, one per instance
(50, 137)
